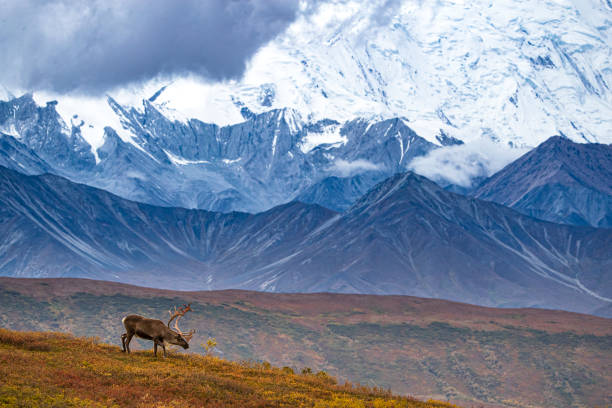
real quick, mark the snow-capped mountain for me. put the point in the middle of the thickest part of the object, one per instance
(405, 236)
(451, 90)
(512, 71)
(349, 88)
(266, 160)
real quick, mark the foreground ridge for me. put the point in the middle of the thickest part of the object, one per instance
(56, 369)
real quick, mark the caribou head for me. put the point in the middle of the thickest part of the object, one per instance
(176, 316)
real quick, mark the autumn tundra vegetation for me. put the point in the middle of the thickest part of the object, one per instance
(428, 348)
(44, 369)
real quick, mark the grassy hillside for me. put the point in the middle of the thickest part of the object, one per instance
(423, 347)
(53, 369)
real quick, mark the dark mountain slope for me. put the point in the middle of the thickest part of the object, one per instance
(559, 181)
(406, 236)
(340, 193)
(53, 227)
(409, 236)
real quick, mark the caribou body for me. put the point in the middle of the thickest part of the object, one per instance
(152, 329)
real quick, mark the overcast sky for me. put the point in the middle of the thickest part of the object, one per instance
(94, 45)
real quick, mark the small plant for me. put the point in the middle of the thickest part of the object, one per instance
(210, 345)
(306, 370)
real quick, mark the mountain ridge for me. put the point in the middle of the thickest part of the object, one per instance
(266, 160)
(406, 236)
(453, 216)
(558, 181)
(275, 157)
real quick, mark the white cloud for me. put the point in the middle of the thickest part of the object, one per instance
(347, 168)
(461, 164)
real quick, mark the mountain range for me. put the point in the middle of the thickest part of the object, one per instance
(266, 160)
(274, 158)
(405, 236)
(346, 91)
(298, 176)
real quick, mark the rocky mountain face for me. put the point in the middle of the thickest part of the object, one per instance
(340, 193)
(275, 157)
(267, 160)
(559, 181)
(406, 236)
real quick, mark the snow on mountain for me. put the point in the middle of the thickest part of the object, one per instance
(511, 71)
(516, 71)
(482, 80)
(266, 160)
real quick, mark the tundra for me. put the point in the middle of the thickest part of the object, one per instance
(152, 329)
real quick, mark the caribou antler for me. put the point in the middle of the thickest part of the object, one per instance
(177, 314)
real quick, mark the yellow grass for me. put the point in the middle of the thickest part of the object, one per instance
(59, 370)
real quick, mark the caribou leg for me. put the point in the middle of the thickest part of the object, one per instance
(123, 336)
(127, 341)
(158, 342)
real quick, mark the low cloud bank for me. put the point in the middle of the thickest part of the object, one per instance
(463, 163)
(345, 168)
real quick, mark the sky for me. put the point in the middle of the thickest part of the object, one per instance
(91, 46)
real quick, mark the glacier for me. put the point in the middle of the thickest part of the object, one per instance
(512, 71)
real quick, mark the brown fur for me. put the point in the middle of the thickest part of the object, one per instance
(150, 329)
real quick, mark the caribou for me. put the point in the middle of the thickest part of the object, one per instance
(152, 329)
